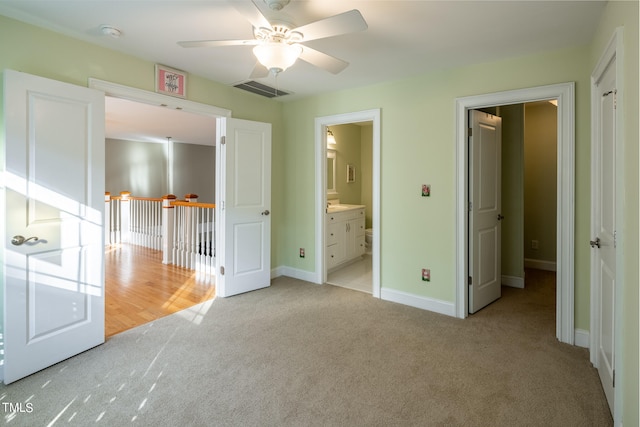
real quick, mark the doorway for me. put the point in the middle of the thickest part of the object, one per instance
(322, 125)
(565, 95)
(349, 184)
(173, 282)
(525, 213)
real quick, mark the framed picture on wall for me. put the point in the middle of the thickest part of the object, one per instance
(351, 173)
(170, 81)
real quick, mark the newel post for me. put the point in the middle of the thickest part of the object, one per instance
(125, 216)
(168, 213)
(107, 218)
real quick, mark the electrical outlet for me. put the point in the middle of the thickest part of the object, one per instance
(301, 252)
(534, 244)
(426, 275)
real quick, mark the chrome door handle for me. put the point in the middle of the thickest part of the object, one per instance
(265, 212)
(18, 240)
(595, 243)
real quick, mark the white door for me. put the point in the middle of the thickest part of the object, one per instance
(243, 200)
(485, 158)
(604, 227)
(53, 192)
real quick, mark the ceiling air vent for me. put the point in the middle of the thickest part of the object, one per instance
(260, 89)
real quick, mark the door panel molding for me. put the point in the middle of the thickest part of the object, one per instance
(565, 94)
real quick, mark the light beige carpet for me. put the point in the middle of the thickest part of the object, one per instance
(298, 354)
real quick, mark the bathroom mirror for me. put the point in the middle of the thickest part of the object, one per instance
(331, 171)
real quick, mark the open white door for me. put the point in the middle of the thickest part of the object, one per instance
(603, 256)
(485, 164)
(53, 191)
(243, 201)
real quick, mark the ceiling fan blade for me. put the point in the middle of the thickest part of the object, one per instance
(322, 60)
(347, 22)
(259, 71)
(249, 10)
(217, 43)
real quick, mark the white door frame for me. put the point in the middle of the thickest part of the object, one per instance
(614, 50)
(146, 97)
(565, 94)
(321, 124)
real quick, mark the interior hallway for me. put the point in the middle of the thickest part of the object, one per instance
(140, 289)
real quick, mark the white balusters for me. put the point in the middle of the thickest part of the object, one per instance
(183, 230)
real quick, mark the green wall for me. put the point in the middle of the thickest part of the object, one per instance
(418, 146)
(512, 190)
(540, 180)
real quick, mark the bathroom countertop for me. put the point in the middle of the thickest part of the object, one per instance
(342, 208)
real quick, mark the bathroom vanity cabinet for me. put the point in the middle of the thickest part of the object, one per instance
(345, 230)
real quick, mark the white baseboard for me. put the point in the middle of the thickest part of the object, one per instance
(430, 304)
(308, 276)
(540, 264)
(513, 281)
(581, 338)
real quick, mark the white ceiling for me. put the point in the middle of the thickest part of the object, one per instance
(134, 121)
(403, 38)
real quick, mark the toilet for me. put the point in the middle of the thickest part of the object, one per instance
(368, 239)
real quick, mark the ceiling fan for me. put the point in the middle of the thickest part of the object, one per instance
(277, 45)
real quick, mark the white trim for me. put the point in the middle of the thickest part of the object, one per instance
(437, 306)
(147, 97)
(321, 124)
(540, 264)
(296, 273)
(613, 51)
(513, 281)
(565, 94)
(581, 338)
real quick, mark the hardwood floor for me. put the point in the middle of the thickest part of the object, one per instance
(139, 288)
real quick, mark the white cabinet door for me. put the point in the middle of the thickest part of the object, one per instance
(53, 190)
(355, 238)
(244, 203)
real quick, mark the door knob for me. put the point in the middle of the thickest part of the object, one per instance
(265, 212)
(595, 243)
(18, 240)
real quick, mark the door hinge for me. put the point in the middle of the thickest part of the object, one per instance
(222, 270)
(223, 140)
(470, 281)
(614, 378)
(615, 97)
(470, 206)
(615, 238)
(470, 132)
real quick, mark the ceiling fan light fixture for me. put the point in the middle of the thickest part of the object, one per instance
(276, 4)
(277, 57)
